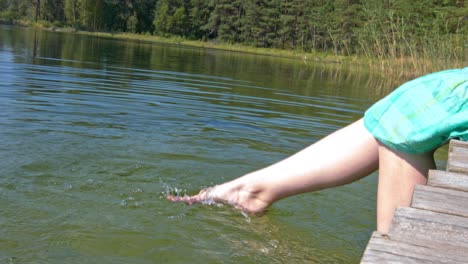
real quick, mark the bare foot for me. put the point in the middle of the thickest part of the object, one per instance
(248, 201)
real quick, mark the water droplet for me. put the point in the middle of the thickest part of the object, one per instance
(137, 190)
(246, 216)
(12, 260)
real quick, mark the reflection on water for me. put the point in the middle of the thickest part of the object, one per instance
(96, 131)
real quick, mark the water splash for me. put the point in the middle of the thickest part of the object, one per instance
(174, 191)
(130, 202)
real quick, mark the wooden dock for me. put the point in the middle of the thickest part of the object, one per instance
(434, 229)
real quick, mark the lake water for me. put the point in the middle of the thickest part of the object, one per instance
(95, 132)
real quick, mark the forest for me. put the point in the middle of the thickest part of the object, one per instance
(382, 29)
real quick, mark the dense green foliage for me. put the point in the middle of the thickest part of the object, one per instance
(375, 28)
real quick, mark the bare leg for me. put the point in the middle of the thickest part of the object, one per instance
(340, 158)
(398, 174)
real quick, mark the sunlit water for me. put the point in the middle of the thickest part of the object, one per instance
(95, 132)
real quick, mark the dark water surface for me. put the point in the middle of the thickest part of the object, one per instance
(95, 132)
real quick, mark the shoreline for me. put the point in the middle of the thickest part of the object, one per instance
(180, 41)
(403, 67)
(320, 57)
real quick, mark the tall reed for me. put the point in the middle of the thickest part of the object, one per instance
(395, 47)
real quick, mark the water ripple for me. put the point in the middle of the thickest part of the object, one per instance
(77, 97)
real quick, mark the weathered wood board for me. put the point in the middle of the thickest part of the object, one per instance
(381, 249)
(451, 180)
(458, 146)
(430, 229)
(458, 156)
(441, 200)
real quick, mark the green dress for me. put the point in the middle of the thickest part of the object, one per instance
(422, 114)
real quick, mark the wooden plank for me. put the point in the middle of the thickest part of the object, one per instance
(451, 180)
(458, 146)
(381, 249)
(440, 200)
(457, 163)
(458, 156)
(430, 229)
